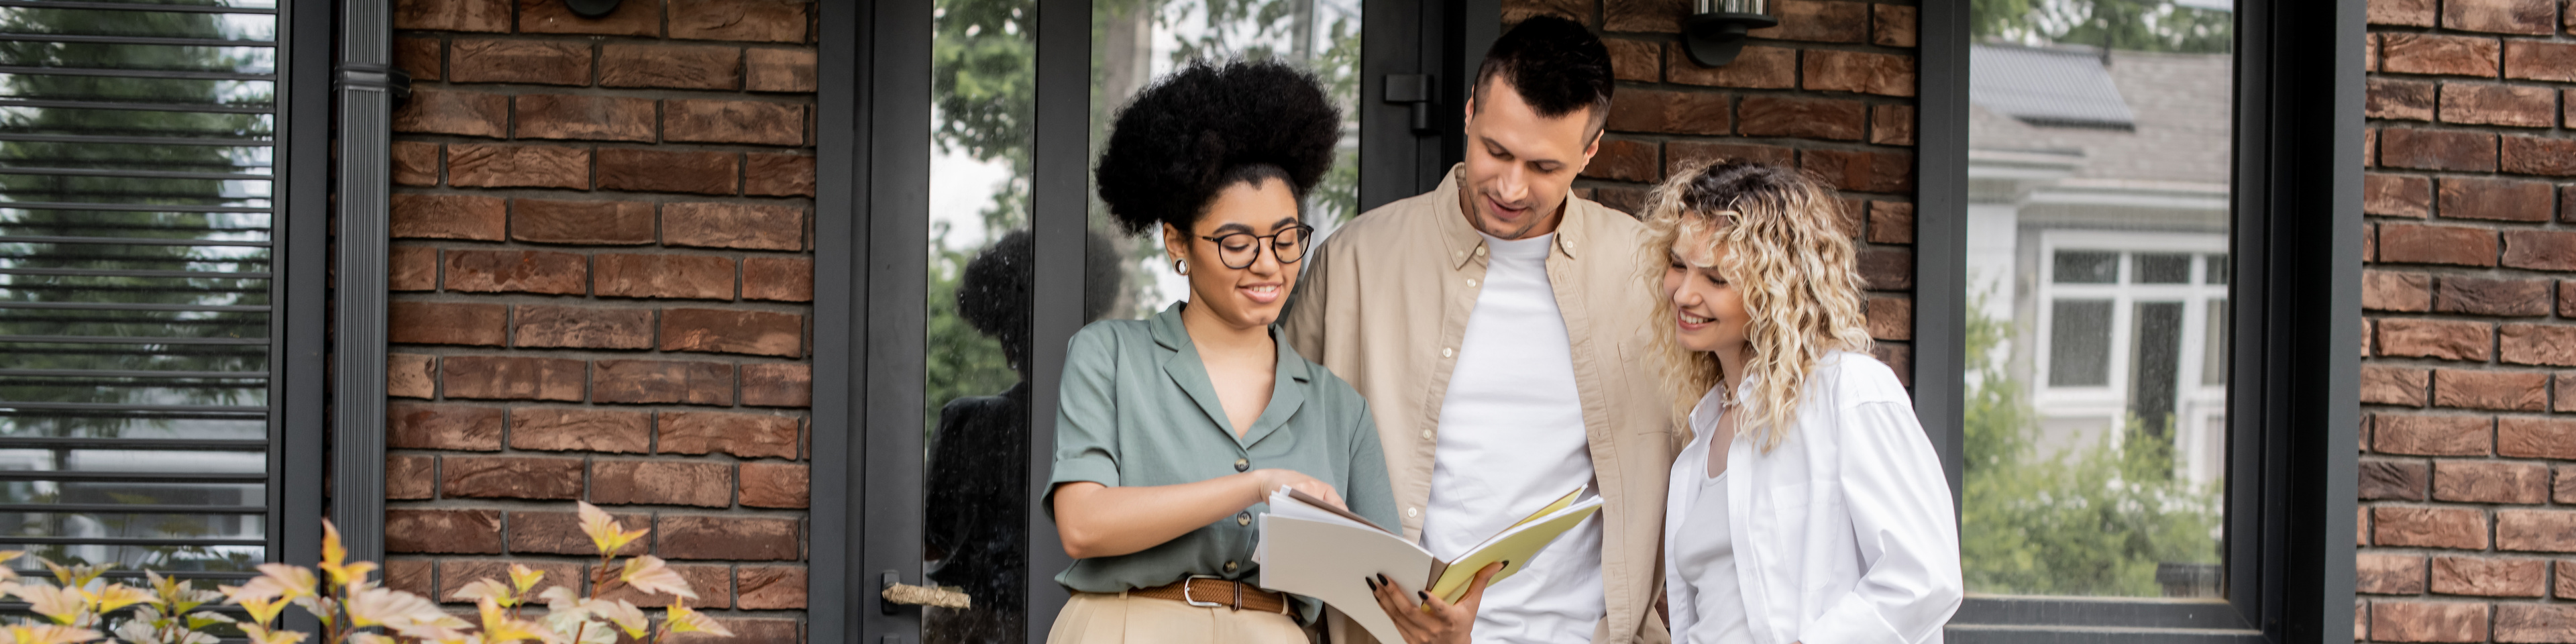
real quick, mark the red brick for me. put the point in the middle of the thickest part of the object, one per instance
(1661, 17)
(1757, 67)
(492, 60)
(2391, 98)
(1635, 60)
(516, 271)
(2567, 299)
(747, 631)
(780, 279)
(737, 538)
(1850, 214)
(1623, 160)
(1664, 112)
(2548, 250)
(730, 331)
(513, 378)
(2414, 244)
(1891, 222)
(2430, 435)
(2540, 60)
(2516, 622)
(446, 323)
(410, 576)
(442, 531)
(751, 20)
(702, 277)
(447, 427)
(2529, 17)
(778, 385)
(733, 225)
(1890, 318)
(778, 70)
(518, 166)
(2482, 296)
(1679, 154)
(695, 483)
(1827, 70)
(710, 173)
(598, 118)
(2370, 53)
(2388, 574)
(2525, 437)
(2437, 150)
(409, 375)
(2539, 155)
(2490, 482)
(455, 574)
(2393, 291)
(712, 583)
(671, 66)
(664, 381)
(716, 121)
(778, 175)
(432, 111)
(2398, 480)
(2562, 491)
(2536, 530)
(2396, 195)
(415, 163)
(2564, 390)
(2536, 344)
(548, 221)
(452, 15)
(1818, 21)
(2393, 621)
(412, 268)
(2370, 147)
(2459, 528)
(2499, 390)
(742, 435)
(580, 430)
(1891, 124)
(2386, 385)
(2506, 105)
(576, 327)
(1887, 269)
(1627, 200)
(555, 17)
(511, 477)
(409, 477)
(2490, 577)
(2412, 13)
(559, 533)
(476, 217)
(2567, 580)
(1892, 25)
(2406, 53)
(775, 485)
(1813, 118)
(770, 587)
(1861, 171)
(2369, 243)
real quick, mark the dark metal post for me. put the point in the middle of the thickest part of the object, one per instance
(358, 375)
(1060, 219)
(836, 588)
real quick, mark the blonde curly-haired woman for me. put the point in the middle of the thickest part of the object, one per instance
(1809, 506)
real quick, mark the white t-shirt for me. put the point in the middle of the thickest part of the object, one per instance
(1705, 556)
(1512, 440)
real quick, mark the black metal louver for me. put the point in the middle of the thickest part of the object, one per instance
(137, 142)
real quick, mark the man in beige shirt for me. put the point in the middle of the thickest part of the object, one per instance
(1499, 330)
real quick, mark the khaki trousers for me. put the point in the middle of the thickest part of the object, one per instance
(1104, 618)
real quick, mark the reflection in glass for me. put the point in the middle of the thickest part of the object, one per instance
(134, 285)
(1135, 41)
(2099, 159)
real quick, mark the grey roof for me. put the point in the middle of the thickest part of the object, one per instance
(2063, 87)
(2180, 128)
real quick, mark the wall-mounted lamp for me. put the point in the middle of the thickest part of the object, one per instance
(591, 8)
(1715, 31)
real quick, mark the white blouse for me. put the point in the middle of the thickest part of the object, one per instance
(1844, 533)
(1706, 558)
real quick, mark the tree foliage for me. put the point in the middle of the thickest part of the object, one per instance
(2127, 25)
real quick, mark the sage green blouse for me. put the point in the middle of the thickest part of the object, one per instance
(1138, 410)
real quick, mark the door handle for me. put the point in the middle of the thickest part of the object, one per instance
(893, 593)
(1416, 91)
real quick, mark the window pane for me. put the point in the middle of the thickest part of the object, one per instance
(134, 285)
(2099, 164)
(976, 423)
(1136, 41)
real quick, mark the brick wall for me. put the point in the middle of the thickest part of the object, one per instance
(1830, 90)
(602, 273)
(2468, 466)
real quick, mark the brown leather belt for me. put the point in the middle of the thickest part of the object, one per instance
(1211, 592)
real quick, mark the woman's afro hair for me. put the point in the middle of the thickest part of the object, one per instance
(1193, 133)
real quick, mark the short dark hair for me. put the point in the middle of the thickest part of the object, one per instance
(1206, 127)
(1557, 66)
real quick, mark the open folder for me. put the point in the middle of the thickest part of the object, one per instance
(1311, 548)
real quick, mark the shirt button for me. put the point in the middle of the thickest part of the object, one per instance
(1243, 519)
(1242, 464)
(1426, 434)
(1480, 251)
(1229, 566)
(1471, 283)
(1446, 352)
(1412, 512)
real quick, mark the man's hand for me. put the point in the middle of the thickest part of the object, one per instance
(1433, 621)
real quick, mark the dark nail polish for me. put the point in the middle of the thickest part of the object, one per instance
(1372, 583)
(1426, 597)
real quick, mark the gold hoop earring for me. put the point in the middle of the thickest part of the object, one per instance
(1181, 266)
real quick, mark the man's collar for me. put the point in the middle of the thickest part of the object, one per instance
(1462, 241)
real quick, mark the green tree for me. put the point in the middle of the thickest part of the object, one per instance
(2128, 25)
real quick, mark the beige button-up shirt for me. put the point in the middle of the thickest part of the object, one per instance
(1384, 304)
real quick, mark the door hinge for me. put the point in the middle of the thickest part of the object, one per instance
(1417, 91)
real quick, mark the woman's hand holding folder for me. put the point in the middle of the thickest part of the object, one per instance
(1432, 621)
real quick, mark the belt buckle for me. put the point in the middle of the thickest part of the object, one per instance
(1187, 599)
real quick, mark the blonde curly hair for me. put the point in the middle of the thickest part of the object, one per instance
(1789, 253)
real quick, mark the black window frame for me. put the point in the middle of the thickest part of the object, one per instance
(2293, 405)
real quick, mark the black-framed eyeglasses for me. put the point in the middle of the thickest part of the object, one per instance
(1238, 250)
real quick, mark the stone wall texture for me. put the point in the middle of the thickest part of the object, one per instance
(1830, 91)
(602, 273)
(2468, 377)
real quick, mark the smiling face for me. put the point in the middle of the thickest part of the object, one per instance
(1709, 312)
(1251, 296)
(1520, 165)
